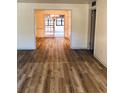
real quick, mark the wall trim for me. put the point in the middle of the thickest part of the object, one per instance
(101, 62)
(78, 48)
(26, 48)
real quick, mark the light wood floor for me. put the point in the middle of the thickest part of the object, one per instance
(54, 68)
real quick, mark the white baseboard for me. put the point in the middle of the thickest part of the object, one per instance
(77, 48)
(103, 63)
(26, 48)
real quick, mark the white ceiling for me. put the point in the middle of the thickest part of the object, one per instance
(56, 1)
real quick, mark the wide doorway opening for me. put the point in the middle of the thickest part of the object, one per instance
(52, 24)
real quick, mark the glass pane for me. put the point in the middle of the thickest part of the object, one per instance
(59, 22)
(51, 22)
(63, 23)
(46, 22)
(62, 19)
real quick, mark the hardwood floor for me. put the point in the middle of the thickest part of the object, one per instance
(54, 68)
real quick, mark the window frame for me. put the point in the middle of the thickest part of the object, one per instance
(62, 20)
(49, 22)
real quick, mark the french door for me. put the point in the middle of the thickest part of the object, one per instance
(49, 27)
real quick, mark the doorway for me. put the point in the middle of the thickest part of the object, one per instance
(53, 23)
(92, 30)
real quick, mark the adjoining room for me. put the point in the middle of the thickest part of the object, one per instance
(52, 23)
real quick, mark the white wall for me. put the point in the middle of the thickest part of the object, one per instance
(101, 31)
(26, 28)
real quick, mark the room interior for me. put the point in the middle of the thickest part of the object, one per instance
(73, 61)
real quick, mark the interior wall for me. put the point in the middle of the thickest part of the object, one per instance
(101, 31)
(26, 24)
(25, 28)
(39, 20)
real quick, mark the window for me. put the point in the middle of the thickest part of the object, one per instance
(49, 21)
(60, 21)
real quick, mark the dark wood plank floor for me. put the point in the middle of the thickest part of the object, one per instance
(55, 68)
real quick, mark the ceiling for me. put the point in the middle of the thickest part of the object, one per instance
(56, 1)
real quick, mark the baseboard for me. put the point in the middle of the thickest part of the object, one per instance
(78, 48)
(27, 48)
(100, 62)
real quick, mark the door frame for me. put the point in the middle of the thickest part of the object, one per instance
(92, 31)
